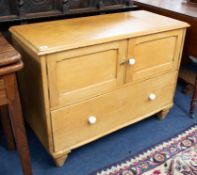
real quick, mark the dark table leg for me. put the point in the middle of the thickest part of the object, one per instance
(17, 122)
(194, 100)
(7, 129)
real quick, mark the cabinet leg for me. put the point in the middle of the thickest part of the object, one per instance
(59, 161)
(162, 114)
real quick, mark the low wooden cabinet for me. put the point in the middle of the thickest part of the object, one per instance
(87, 77)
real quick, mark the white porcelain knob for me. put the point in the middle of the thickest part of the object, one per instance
(92, 120)
(132, 61)
(152, 97)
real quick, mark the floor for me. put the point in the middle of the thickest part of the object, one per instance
(110, 149)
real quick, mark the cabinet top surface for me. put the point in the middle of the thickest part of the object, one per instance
(49, 37)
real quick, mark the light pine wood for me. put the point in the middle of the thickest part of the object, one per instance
(111, 110)
(103, 62)
(80, 82)
(59, 161)
(35, 94)
(80, 32)
(162, 115)
(154, 54)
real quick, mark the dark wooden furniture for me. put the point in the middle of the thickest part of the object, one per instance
(30, 9)
(194, 99)
(189, 75)
(10, 107)
(194, 1)
(179, 10)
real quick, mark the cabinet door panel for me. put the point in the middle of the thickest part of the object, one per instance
(80, 4)
(114, 2)
(153, 54)
(84, 73)
(4, 8)
(77, 4)
(35, 6)
(101, 65)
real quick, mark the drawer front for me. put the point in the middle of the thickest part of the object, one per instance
(153, 54)
(81, 123)
(84, 73)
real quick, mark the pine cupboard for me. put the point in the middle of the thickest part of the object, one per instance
(87, 77)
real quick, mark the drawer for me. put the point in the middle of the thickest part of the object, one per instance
(80, 74)
(153, 54)
(75, 125)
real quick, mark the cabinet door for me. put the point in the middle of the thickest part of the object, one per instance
(4, 8)
(38, 6)
(77, 4)
(8, 10)
(80, 4)
(153, 54)
(85, 73)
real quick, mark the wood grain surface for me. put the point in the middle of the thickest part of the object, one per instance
(80, 32)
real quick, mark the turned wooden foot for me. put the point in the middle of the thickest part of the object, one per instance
(59, 161)
(162, 115)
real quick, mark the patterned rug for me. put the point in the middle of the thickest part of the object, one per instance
(177, 156)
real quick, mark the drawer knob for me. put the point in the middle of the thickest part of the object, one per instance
(152, 97)
(132, 61)
(92, 120)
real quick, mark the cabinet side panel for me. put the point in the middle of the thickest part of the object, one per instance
(33, 96)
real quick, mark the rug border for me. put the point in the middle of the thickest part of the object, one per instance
(143, 151)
